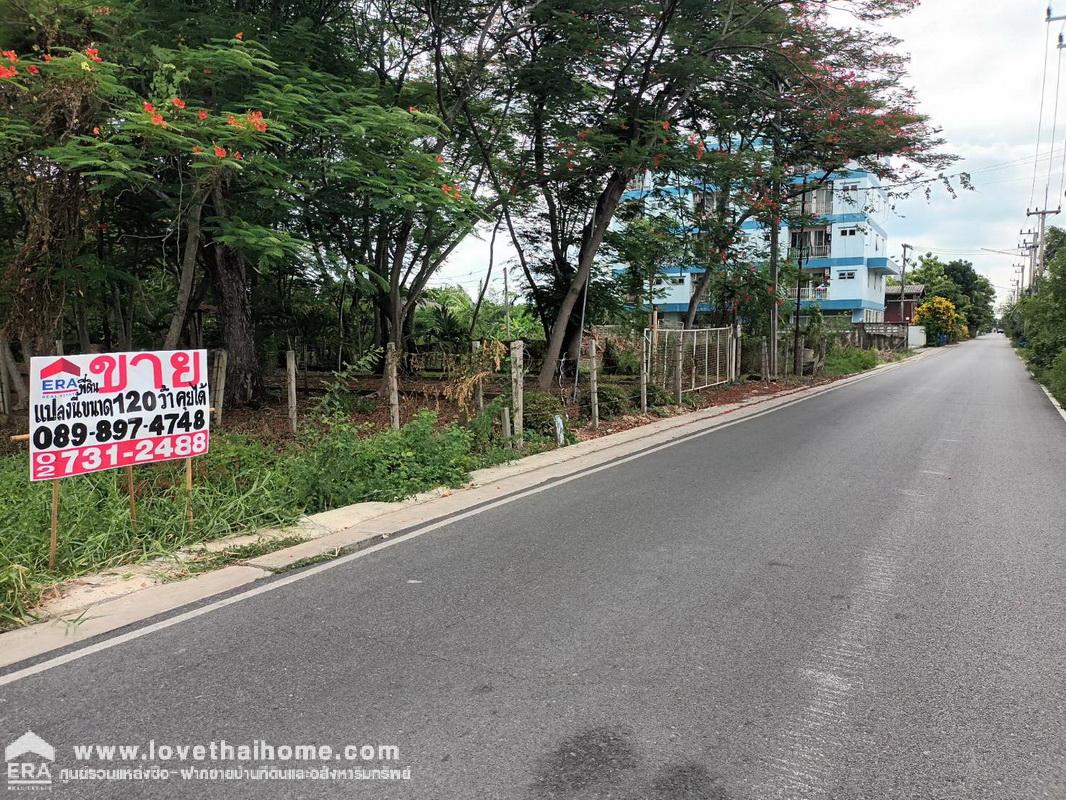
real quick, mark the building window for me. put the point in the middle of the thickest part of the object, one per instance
(846, 275)
(849, 231)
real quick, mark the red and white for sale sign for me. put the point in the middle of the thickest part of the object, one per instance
(101, 411)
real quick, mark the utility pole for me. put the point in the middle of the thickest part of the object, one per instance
(903, 288)
(796, 355)
(1031, 248)
(506, 302)
(1043, 213)
(775, 251)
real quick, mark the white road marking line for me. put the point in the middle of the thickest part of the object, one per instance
(247, 594)
(1054, 402)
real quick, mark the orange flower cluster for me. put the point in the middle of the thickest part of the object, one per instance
(451, 191)
(93, 54)
(177, 102)
(256, 118)
(9, 70)
(253, 118)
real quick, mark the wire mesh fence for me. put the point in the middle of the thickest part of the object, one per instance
(686, 360)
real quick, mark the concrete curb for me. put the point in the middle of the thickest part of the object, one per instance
(344, 530)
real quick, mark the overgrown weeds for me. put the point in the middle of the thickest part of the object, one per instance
(240, 485)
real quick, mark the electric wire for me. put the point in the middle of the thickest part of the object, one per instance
(1054, 117)
(1040, 118)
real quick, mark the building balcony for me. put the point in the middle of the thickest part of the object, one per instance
(811, 251)
(815, 294)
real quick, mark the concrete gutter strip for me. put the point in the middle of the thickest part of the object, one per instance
(343, 529)
(34, 640)
(1054, 402)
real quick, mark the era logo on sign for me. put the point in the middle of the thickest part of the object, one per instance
(52, 380)
(27, 762)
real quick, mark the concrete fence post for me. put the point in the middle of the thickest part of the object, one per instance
(644, 356)
(393, 385)
(221, 362)
(679, 363)
(594, 396)
(479, 389)
(517, 382)
(290, 382)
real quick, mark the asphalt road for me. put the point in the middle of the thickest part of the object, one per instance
(862, 595)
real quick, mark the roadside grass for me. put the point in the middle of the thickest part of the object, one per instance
(207, 562)
(848, 360)
(240, 486)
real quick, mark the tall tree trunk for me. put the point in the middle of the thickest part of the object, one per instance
(81, 315)
(244, 380)
(593, 238)
(7, 361)
(188, 272)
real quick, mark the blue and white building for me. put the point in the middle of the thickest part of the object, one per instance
(845, 252)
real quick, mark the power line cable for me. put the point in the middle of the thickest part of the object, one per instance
(1040, 118)
(1054, 117)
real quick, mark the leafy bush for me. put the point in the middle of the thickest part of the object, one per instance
(613, 401)
(618, 360)
(343, 465)
(339, 399)
(848, 360)
(939, 316)
(539, 410)
(657, 396)
(1056, 378)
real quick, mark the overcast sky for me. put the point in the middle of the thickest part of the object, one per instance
(976, 66)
